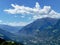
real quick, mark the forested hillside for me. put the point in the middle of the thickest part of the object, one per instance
(4, 42)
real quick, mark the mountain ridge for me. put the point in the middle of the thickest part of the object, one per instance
(40, 31)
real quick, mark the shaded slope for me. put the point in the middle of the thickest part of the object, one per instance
(42, 32)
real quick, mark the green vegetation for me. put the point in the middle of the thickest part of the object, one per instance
(4, 42)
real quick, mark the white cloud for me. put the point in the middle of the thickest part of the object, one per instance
(16, 23)
(37, 11)
(53, 12)
(37, 6)
(39, 17)
(0, 21)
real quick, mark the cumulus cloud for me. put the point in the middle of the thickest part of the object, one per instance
(37, 11)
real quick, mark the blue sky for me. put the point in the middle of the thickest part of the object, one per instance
(17, 18)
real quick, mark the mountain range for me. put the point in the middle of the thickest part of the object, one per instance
(43, 31)
(11, 29)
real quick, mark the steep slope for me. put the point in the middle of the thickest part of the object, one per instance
(7, 35)
(4, 34)
(41, 32)
(39, 24)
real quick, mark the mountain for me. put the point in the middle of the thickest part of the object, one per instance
(10, 28)
(39, 24)
(3, 35)
(8, 35)
(43, 31)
